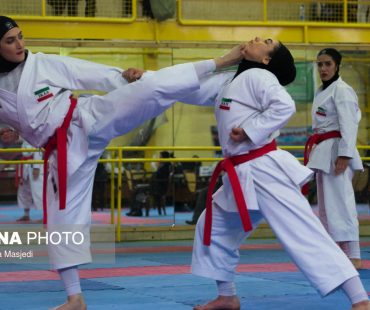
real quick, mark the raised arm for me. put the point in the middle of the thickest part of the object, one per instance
(210, 84)
(77, 74)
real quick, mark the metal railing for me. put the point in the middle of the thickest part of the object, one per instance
(198, 12)
(104, 11)
(302, 21)
(257, 12)
(117, 158)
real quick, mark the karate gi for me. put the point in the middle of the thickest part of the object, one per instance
(38, 103)
(256, 101)
(29, 194)
(336, 109)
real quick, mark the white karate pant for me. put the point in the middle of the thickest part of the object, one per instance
(295, 225)
(337, 205)
(76, 218)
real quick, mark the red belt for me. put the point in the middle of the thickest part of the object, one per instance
(59, 142)
(316, 138)
(19, 170)
(228, 165)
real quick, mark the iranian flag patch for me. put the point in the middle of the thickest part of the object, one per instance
(321, 111)
(43, 94)
(225, 104)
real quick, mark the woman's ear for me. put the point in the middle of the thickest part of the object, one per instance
(266, 60)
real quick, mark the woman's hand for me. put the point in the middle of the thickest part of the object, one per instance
(341, 164)
(238, 134)
(132, 74)
(232, 58)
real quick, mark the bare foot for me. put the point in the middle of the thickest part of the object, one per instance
(363, 305)
(221, 303)
(24, 218)
(74, 302)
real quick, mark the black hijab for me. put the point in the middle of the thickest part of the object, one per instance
(6, 23)
(281, 65)
(337, 58)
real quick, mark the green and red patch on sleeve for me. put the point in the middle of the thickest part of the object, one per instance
(225, 104)
(321, 111)
(43, 94)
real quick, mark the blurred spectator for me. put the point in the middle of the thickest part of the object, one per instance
(157, 190)
(160, 181)
(127, 8)
(59, 6)
(90, 8)
(8, 136)
(192, 166)
(216, 140)
(363, 11)
(29, 180)
(159, 9)
(9, 139)
(99, 197)
(200, 202)
(327, 12)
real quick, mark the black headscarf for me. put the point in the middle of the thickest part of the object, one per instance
(281, 65)
(337, 58)
(6, 23)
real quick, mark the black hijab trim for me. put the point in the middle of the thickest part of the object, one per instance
(7, 66)
(337, 58)
(326, 84)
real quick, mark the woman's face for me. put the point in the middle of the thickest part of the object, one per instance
(326, 67)
(12, 47)
(259, 50)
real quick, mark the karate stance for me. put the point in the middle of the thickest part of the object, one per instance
(250, 108)
(36, 100)
(334, 156)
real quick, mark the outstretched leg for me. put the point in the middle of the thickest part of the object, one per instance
(312, 244)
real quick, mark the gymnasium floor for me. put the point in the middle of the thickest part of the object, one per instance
(155, 275)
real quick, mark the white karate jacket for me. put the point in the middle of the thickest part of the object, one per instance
(335, 108)
(42, 99)
(255, 101)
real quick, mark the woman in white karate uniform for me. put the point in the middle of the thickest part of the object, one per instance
(335, 112)
(29, 179)
(250, 109)
(35, 99)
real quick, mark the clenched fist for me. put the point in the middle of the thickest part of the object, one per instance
(132, 74)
